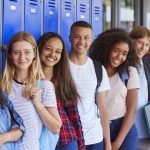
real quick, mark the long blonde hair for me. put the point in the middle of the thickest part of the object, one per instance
(34, 73)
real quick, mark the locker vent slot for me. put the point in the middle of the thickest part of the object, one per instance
(13, 0)
(52, 3)
(82, 8)
(96, 10)
(34, 2)
(68, 5)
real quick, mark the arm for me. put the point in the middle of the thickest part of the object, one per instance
(11, 136)
(131, 104)
(74, 117)
(49, 115)
(104, 119)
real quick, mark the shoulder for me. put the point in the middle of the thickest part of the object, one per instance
(132, 70)
(133, 78)
(44, 84)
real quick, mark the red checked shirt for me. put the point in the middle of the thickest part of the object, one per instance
(71, 126)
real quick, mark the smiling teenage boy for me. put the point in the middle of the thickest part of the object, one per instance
(95, 128)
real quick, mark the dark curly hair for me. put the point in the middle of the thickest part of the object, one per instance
(101, 48)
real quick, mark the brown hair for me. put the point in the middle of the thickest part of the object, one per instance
(64, 84)
(139, 32)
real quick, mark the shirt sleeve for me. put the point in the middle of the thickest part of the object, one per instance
(133, 81)
(105, 81)
(48, 94)
(74, 117)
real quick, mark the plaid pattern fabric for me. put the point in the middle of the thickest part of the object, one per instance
(71, 125)
(146, 62)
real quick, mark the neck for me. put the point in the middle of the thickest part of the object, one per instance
(110, 71)
(78, 59)
(48, 72)
(21, 76)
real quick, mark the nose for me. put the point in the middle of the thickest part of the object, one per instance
(144, 46)
(22, 56)
(52, 53)
(81, 40)
(119, 56)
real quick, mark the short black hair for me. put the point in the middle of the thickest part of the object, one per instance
(83, 24)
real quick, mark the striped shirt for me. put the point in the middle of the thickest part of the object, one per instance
(28, 113)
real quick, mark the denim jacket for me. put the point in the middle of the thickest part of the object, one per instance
(9, 119)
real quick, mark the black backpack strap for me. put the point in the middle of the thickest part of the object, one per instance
(124, 77)
(99, 74)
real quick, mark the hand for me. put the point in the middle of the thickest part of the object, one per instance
(3, 138)
(108, 147)
(115, 146)
(35, 95)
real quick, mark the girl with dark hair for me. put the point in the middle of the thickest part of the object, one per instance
(55, 64)
(114, 49)
(11, 124)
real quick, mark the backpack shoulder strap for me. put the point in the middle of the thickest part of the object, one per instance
(124, 77)
(98, 71)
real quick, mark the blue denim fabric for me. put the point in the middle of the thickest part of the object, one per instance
(71, 146)
(131, 141)
(5, 125)
(9, 119)
(97, 146)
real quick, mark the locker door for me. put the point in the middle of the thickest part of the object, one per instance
(32, 18)
(12, 22)
(66, 19)
(82, 10)
(96, 17)
(50, 16)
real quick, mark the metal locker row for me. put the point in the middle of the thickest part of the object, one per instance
(40, 16)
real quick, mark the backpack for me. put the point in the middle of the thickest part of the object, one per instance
(99, 75)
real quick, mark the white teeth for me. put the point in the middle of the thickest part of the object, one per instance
(116, 61)
(80, 46)
(50, 59)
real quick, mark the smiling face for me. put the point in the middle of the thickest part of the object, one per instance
(51, 52)
(142, 46)
(22, 55)
(81, 39)
(118, 54)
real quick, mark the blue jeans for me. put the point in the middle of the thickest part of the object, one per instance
(97, 146)
(131, 141)
(71, 146)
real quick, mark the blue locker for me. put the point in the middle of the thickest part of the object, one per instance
(66, 19)
(32, 18)
(96, 16)
(50, 16)
(12, 22)
(82, 10)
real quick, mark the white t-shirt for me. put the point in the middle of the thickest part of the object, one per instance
(142, 100)
(28, 113)
(86, 81)
(116, 97)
